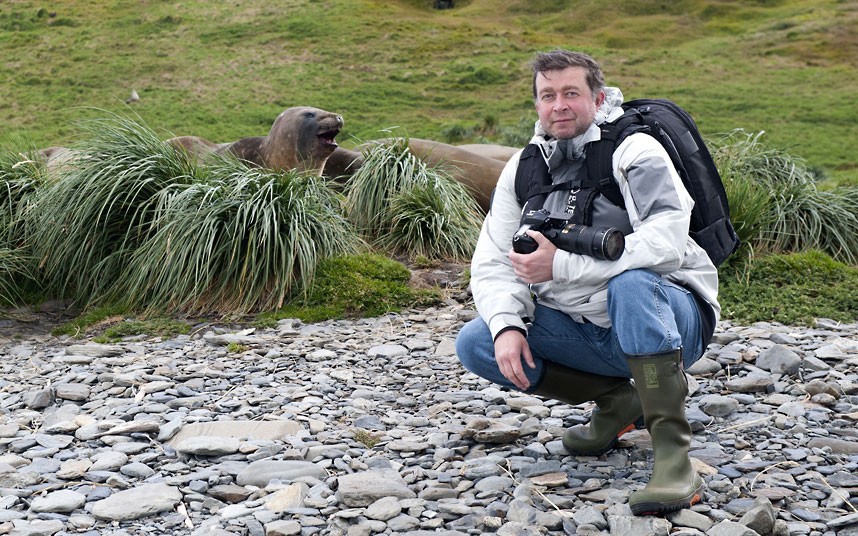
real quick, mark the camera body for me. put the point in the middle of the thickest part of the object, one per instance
(606, 243)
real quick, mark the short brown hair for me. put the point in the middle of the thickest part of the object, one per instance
(560, 59)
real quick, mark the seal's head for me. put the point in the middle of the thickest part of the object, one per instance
(302, 138)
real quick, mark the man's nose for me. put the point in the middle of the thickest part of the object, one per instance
(560, 104)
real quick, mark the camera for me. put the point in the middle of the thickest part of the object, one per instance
(606, 243)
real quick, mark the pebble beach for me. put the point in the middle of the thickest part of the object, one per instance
(371, 426)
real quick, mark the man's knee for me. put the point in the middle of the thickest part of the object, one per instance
(630, 282)
(471, 343)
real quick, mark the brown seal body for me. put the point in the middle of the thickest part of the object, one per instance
(301, 138)
(342, 164)
(194, 145)
(57, 159)
(491, 150)
(478, 172)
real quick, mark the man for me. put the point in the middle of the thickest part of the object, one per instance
(574, 327)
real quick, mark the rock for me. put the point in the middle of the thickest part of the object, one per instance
(136, 503)
(58, 501)
(350, 427)
(262, 472)
(779, 359)
(364, 488)
(209, 446)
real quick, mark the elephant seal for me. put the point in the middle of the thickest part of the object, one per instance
(195, 146)
(491, 150)
(301, 138)
(57, 159)
(478, 173)
(342, 164)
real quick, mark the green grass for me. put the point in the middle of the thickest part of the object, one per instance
(792, 289)
(160, 327)
(223, 71)
(79, 325)
(355, 286)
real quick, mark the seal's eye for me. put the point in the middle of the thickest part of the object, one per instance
(309, 115)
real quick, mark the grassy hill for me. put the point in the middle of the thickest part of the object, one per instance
(224, 70)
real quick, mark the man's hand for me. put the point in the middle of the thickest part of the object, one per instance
(511, 349)
(536, 267)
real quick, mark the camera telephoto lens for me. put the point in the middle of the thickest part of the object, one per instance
(604, 243)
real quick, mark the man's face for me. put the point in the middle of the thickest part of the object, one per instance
(564, 103)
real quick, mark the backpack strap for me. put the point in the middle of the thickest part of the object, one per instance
(599, 162)
(532, 177)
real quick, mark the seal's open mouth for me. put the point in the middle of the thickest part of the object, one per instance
(327, 137)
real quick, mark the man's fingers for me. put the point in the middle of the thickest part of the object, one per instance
(539, 237)
(528, 358)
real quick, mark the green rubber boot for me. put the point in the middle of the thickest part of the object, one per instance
(662, 387)
(618, 408)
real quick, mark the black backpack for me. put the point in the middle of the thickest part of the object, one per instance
(676, 131)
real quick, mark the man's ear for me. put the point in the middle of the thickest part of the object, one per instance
(600, 98)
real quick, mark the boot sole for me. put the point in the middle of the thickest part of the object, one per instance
(637, 425)
(653, 508)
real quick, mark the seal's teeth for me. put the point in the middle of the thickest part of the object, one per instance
(328, 137)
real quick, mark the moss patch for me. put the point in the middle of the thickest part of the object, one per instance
(792, 289)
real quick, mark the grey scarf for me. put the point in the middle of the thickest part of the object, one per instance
(564, 164)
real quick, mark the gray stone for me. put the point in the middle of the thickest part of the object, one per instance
(37, 527)
(108, 461)
(384, 509)
(731, 528)
(95, 350)
(136, 503)
(718, 406)
(260, 473)
(690, 519)
(282, 528)
(77, 392)
(779, 359)
(752, 383)
(209, 446)
(761, 517)
(364, 488)
(39, 398)
(58, 501)
(240, 429)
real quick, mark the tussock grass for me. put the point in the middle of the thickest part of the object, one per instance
(100, 208)
(777, 204)
(136, 221)
(15, 267)
(239, 243)
(406, 206)
(21, 175)
(436, 221)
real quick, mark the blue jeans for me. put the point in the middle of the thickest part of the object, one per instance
(649, 315)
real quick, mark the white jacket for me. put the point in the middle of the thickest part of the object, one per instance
(659, 209)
